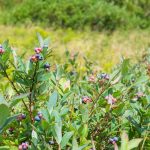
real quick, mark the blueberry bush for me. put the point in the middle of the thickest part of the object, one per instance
(51, 106)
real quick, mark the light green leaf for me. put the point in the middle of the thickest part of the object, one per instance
(66, 138)
(52, 101)
(74, 144)
(4, 113)
(134, 143)
(8, 120)
(15, 100)
(58, 131)
(40, 39)
(124, 141)
(34, 137)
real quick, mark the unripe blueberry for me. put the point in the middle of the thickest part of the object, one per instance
(37, 118)
(20, 147)
(23, 146)
(33, 59)
(1, 50)
(86, 99)
(38, 50)
(51, 142)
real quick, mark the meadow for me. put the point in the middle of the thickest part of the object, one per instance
(103, 48)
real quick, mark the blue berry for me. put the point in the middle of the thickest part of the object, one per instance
(47, 66)
(39, 57)
(51, 142)
(115, 139)
(23, 116)
(37, 118)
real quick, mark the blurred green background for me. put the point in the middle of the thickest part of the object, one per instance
(103, 30)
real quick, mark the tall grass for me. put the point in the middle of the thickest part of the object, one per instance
(103, 48)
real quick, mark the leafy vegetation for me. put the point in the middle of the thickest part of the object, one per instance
(77, 14)
(44, 105)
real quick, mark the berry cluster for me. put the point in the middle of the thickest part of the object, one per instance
(86, 99)
(38, 117)
(113, 140)
(1, 50)
(23, 146)
(37, 56)
(21, 117)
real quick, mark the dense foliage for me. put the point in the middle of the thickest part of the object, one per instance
(78, 14)
(49, 106)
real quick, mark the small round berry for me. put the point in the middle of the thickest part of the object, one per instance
(1, 50)
(86, 99)
(51, 142)
(38, 50)
(37, 118)
(40, 115)
(20, 147)
(115, 139)
(11, 130)
(47, 65)
(38, 57)
(33, 58)
(23, 116)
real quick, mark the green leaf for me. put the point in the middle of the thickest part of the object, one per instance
(66, 138)
(8, 120)
(15, 100)
(134, 143)
(74, 144)
(4, 147)
(46, 41)
(124, 141)
(58, 132)
(4, 113)
(52, 101)
(34, 138)
(141, 80)
(40, 39)
(5, 44)
(125, 67)
(120, 109)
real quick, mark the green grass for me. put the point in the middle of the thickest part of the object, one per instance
(103, 48)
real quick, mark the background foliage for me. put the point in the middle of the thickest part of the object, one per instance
(78, 14)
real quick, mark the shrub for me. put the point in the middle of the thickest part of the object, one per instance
(77, 14)
(48, 106)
